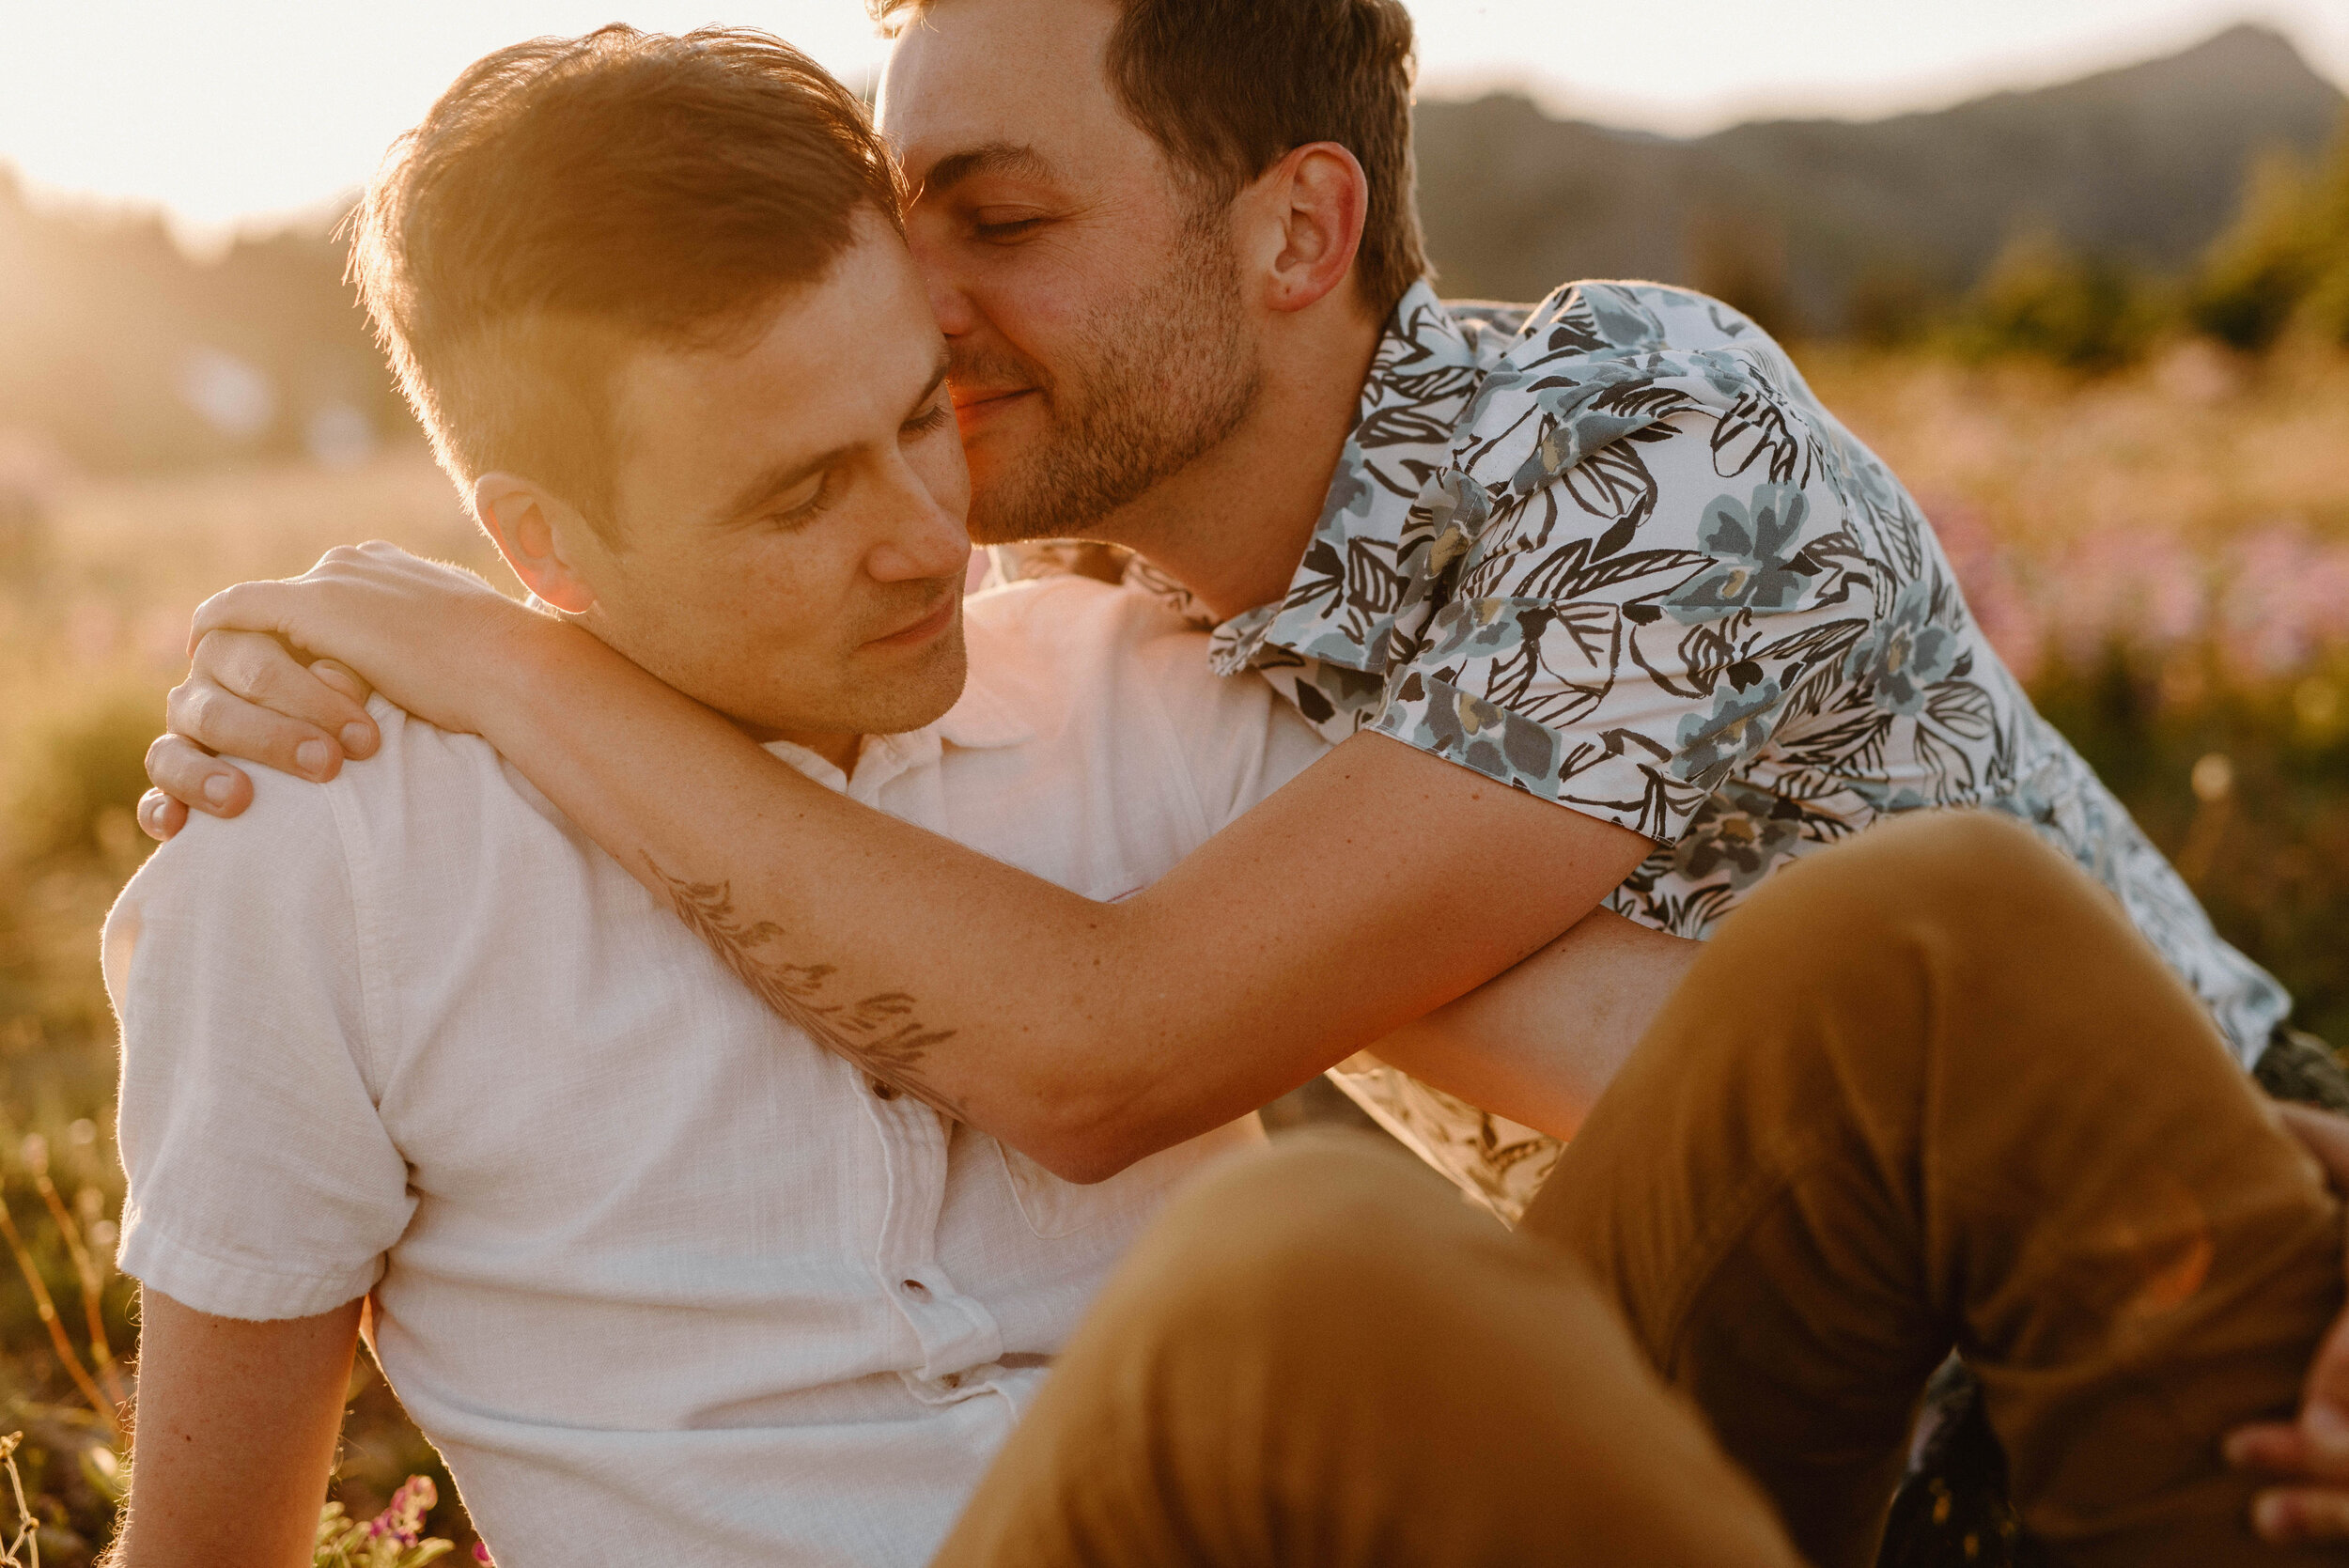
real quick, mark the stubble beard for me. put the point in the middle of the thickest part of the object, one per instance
(1169, 374)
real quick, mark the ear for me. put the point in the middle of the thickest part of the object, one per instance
(537, 534)
(1317, 199)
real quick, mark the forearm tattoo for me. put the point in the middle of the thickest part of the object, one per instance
(879, 1032)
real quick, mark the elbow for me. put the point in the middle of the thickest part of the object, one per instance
(1090, 1148)
(1086, 1162)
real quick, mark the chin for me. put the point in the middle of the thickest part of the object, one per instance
(918, 693)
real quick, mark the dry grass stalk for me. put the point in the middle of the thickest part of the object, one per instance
(85, 1271)
(24, 1548)
(46, 1308)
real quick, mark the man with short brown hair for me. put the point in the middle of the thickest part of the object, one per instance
(664, 1278)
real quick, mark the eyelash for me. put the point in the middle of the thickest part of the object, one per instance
(999, 233)
(806, 511)
(928, 423)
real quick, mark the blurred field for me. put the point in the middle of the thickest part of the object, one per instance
(2163, 553)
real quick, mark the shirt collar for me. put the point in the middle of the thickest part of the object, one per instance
(1340, 607)
(982, 719)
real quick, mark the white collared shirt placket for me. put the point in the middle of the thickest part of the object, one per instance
(959, 1338)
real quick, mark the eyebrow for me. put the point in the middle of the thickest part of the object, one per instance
(1012, 158)
(785, 475)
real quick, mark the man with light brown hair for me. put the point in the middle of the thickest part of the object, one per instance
(1608, 555)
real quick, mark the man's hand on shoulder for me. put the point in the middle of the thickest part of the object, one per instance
(247, 695)
(2309, 1456)
(420, 630)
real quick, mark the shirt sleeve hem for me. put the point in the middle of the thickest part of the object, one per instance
(237, 1290)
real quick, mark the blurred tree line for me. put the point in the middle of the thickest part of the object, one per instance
(2281, 271)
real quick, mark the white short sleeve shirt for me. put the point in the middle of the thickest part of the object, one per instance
(664, 1280)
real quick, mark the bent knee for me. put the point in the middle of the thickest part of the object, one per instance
(1305, 1233)
(1976, 867)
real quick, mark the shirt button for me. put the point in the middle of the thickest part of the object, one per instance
(882, 1090)
(914, 1288)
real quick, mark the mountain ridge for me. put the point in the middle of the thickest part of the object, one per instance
(2143, 164)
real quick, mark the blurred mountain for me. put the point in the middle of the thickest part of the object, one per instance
(121, 353)
(1820, 223)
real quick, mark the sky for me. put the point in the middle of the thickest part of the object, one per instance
(230, 113)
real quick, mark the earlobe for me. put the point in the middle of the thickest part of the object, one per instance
(530, 528)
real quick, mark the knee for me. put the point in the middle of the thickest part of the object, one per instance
(1974, 869)
(1293, 1244)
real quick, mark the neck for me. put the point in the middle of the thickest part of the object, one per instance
(1233, 525)
(832, 745)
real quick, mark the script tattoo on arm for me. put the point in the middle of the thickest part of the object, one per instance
(879, 1032)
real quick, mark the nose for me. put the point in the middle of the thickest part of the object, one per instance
(926, 541)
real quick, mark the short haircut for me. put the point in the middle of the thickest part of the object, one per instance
(570, 200)
(1229, 87)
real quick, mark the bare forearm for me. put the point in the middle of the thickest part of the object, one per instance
(1541, 1042)
(835, 915)
(1084, 1033)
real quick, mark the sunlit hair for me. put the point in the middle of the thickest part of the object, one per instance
(570, 199)
(1229, 87)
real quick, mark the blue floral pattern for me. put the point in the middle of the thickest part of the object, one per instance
(1611, 550)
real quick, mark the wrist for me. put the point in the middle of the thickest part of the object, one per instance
(529, 658)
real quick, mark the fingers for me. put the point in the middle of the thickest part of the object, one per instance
(218, 720)
(160, 817)
(2286, 1515)
(258, 670)
(2278, 1447)
(190, 777)
(348, 681)
(2312, 1453)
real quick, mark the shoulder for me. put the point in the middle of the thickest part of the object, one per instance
(297, 839)
(1620, 315)
(1614, 339)
(287, 838)
(1051, 642)
(1040, 611)
(1651, 380)
(1073, 656)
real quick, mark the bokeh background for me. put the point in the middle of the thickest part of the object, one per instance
(2079, 271)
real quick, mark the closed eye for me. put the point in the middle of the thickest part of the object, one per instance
(818, 502)
(1002, 233)
(928, 423)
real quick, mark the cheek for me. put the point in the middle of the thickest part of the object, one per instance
(729, 616)
(1043, 302)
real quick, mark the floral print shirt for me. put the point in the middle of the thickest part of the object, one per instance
(1613, 551)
